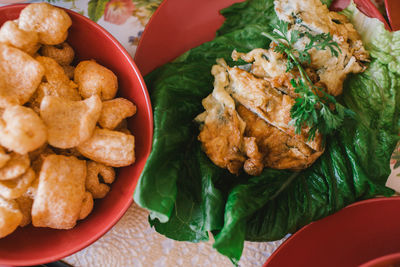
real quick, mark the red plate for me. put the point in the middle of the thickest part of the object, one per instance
(179, 25)
(356, 234)
(393, 12)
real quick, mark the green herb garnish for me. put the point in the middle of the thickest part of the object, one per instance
(314, 107)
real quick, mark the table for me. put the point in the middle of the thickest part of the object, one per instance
(131, 242)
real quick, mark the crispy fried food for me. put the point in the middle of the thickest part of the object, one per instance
(68, 152)
(37, 157)
(95, 173)
(10, 216)
(69, 71)
(51, 23)
(56, 83)
(15, 166)
(60, 193)
(278, 149)
(69, 122)
(22, 130)
(12, 189)
(32, 189)
(222, 129)
(25, 206)
(62, 53)
(254, 164)
(87, 206)
(21, 75)
(93, 78)
(114, 111)
(53, 71)
(67, 91)
(25, 40)
(4, 157)
(111, 148)
(268, 103)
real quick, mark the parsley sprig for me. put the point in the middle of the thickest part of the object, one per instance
(314, 108)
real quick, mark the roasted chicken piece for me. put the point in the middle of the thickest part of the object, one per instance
(221, 127)
(268, 103)
(234, 137)
(278, 149)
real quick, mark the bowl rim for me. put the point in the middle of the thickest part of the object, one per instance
(150, 125)
(382, 260)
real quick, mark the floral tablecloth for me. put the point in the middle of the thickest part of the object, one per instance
(131, 242)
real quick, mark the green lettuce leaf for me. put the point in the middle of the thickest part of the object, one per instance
(188, 196)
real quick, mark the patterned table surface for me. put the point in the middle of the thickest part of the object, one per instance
(131, 242)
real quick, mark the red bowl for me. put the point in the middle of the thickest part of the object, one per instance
(32, 246)
(391, 260)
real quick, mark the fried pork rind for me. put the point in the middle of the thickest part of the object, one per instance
(32, 189)
(12, 189)
(15, 166)
(37, 157)
(69, 122)
(21, 75)
(25, 206)
(22, 130)
(111, 148)
(60, 193)
(51, 23)
(69, 71)
(53, 71)
(114, 111)
(10, 216)
(87, 206)
(95, 173)
(94, 79)
(25, 40)
(4, 157)
(67, 91)
(63, 53)
(56, 83)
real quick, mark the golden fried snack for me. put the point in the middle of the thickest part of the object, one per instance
(87, 206)
(53, 71)
(94, 79)
(60, 193)
(32, 189)
(12, 189)
(67, 91)
(69, 71)
(22, 130)
(96, 172)
(10, 216)
(21, 75)
(12, 35)
(69, 122)
(51, 23)
(111, 148)
(68, 152)
(114, 111)
(62, 53)
(15, 166)
(25, 206)
(4, 157)
(37, 157)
